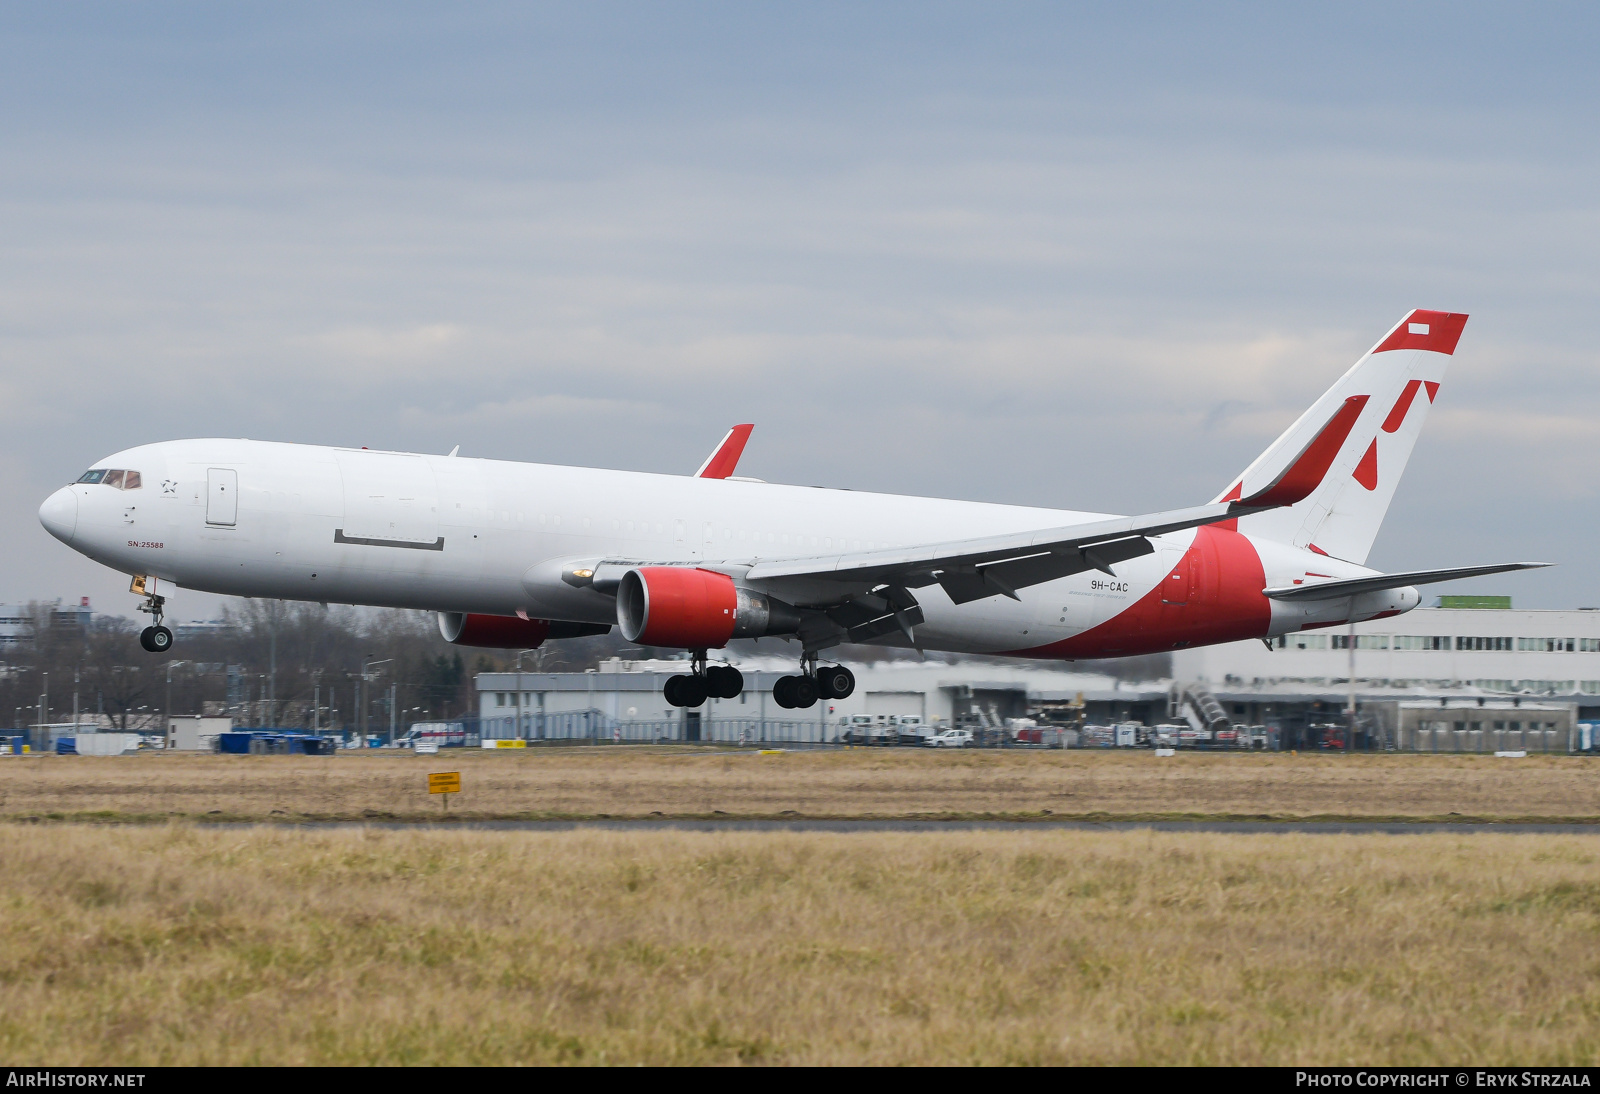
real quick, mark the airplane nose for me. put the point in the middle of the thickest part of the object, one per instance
(59, 514)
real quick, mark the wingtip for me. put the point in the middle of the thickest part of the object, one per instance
(722, 461)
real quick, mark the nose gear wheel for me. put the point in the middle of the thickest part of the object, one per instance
(155, 638)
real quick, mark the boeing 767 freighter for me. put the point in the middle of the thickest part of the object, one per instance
(513, 554)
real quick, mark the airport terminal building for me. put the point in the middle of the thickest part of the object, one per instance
(1441, 679)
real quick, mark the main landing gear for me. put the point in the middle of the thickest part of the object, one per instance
(155, 638)
(814, 682)
(705, 682)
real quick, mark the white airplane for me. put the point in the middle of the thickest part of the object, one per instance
(512, 554)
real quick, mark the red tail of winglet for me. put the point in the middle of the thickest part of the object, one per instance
(1305, 474)
(720, 464)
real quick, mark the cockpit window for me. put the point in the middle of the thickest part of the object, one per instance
(122, 480)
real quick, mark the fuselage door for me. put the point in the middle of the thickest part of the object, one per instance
(389, 498)
(222, 496)
(1176, 580)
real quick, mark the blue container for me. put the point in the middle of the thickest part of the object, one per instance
(66, 746)
(236, 743)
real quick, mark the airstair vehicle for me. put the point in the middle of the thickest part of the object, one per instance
(1195, 704)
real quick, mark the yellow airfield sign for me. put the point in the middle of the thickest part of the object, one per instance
(444, 782)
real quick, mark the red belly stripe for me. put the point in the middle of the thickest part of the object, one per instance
(1224, 605)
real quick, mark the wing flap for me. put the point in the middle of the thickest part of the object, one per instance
(1005, 578)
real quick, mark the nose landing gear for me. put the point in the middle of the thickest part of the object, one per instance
(155, 638)
(704, 682)
(814, 682)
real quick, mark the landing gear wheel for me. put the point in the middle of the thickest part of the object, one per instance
(156, 639)
(802, 692)
(835, 682)
(685, 691)
(724, 682)
(691, 690)
(781, 692)
(670, 690)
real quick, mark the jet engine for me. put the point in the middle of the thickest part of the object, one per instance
(509, 632)
(686, 608)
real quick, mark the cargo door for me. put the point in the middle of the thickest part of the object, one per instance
(390, 500)
(222, 496)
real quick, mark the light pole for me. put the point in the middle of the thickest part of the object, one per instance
(316, 700)
(520, 692)
(274, 609)
(170, 666)
(366, 669)
(1350, 705)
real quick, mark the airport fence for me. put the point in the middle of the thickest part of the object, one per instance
(597, 727)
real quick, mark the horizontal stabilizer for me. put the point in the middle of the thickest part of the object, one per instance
(1355, 586)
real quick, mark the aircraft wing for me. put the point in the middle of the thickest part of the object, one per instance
(1355, 586)
(976, 568)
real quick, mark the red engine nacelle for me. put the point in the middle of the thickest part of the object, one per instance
(509, 632)
(692, 609)
(503, 632)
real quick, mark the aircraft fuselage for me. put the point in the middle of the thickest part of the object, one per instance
(452, 534)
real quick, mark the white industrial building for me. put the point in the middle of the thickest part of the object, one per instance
(1437, 678)
(1502, 652)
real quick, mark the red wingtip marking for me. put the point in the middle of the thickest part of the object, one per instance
(1305, 474)
(1397, 414)
(1435, 331)
(1319, 550)
(726, 457)
(1231, 495)
(1433, 389)
(1367, 469)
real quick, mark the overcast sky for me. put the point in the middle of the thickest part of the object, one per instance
(1095, 257)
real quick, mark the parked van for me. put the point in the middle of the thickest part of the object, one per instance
(441, 734)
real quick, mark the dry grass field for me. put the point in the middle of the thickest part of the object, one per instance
(187, 944)
(633, 781)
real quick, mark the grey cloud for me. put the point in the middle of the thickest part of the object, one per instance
(1023, 258)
